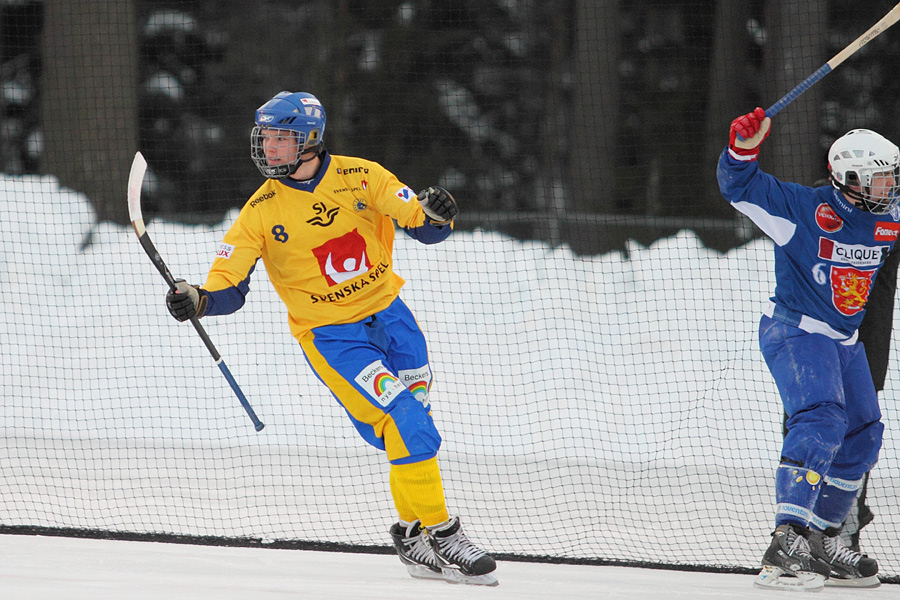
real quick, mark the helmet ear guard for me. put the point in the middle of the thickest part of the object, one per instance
(299, 115)
(856, 159)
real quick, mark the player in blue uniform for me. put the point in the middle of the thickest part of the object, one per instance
(875, 335)
(830, 242)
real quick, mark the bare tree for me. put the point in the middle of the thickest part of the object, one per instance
(795, 47)
(89, 99)
(731, 77)
(596, 105)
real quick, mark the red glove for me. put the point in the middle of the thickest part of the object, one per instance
(747, 133)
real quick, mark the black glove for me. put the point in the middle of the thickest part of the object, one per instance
(438, 205)
(187, 301)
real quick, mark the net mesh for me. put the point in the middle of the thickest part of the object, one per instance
(591, 322)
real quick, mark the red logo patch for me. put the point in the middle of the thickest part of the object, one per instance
(886, 232)
(827, 219)
(850, 289)
(343, 258)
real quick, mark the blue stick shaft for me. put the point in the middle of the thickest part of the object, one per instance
(237, 391)
(157, 260)
(801, 87)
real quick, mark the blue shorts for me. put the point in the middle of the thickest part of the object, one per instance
(378, 371)
(833, 419)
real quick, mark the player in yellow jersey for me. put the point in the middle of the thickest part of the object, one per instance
(323, 225)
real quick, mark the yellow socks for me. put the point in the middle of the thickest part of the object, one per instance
(418, 492)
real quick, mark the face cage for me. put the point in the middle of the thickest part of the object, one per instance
(878, 205)
(258, 153)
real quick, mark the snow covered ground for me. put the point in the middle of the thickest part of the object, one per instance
(49, 568)
(591, 407)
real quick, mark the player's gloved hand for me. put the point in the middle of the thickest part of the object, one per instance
(186, 301)
(748, 132)
(438, 204)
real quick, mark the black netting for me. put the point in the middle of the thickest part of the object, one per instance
(591, 322)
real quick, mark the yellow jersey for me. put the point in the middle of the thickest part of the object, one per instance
(327, 243)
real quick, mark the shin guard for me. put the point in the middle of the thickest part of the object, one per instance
(834, 502)
(796, 491)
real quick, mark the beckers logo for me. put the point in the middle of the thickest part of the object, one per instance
(850, 289)
(886, 232)
(343, 258)
(379, 383)
(417, 381)
(827, 219)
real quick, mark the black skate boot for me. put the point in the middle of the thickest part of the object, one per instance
(458, 554)
(415, 551)
(788, 564)
(847, 567)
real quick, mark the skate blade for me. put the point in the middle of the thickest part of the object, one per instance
(451, 576)
(423, 572)
(801, 581)
(871, 581)
(455, 576)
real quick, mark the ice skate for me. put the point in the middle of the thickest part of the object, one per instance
(415, 551)
(788, 563)
(459, 556)
(848, 568)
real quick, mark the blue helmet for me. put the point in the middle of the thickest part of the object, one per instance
(296, 117)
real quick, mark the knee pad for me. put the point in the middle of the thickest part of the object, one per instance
(814, 437)
(416, 428)
(859, 453)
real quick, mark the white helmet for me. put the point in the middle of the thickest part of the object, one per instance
(855, 158)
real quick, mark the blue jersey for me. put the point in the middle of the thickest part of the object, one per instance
(827, 251)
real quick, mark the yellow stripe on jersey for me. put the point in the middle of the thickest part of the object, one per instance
(327, 247)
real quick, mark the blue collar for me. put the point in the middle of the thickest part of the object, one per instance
(310, 184)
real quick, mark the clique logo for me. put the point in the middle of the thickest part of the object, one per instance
(828, 220)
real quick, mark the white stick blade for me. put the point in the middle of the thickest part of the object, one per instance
(135, 180)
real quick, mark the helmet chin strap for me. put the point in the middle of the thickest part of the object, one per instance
(320, 150)
(859, 199)
(845, 189)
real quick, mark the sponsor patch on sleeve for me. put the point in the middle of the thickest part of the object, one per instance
(405, 194)
(224, 251)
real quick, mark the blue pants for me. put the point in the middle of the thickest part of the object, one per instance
(833, 420)
(378, 371)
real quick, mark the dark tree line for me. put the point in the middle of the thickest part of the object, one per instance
(566, 120)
